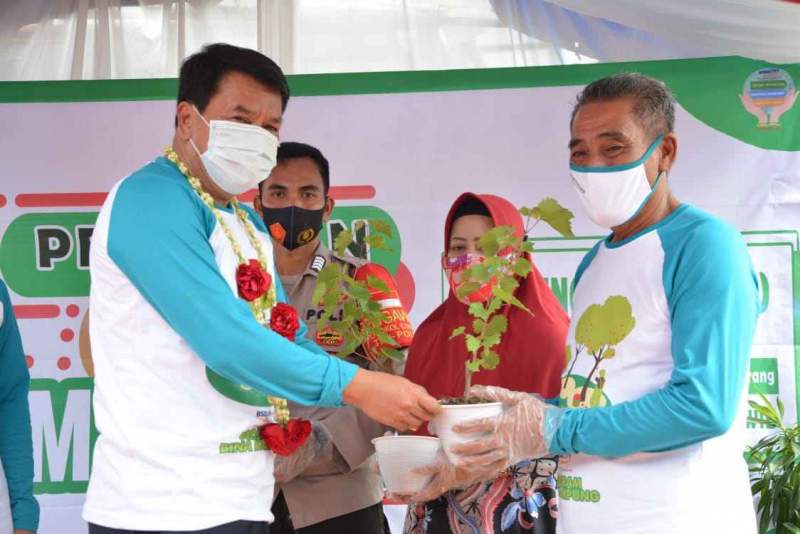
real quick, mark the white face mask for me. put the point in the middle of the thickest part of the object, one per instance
(614, 195)
(239, 156)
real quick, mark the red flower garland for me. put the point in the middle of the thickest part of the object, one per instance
(283, 320)
(252, 280)
(284, 440)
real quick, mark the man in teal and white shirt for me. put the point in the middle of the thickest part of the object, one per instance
(19, 510)
(652, 410)
(182, 364)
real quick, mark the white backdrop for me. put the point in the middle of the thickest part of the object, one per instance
(418, 150)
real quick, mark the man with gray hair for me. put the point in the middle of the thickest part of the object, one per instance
(652, 408)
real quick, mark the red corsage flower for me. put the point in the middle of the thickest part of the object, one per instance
(284, 440)
(283, 320)
(252, 280)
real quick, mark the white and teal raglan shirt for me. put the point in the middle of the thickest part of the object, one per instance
(182, 368)
(652, 434)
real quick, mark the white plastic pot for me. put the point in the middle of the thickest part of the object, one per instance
(442, 425)
(398, 456)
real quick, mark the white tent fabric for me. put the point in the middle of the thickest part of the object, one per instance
(97, 39)
(654, 29)
(588, 36)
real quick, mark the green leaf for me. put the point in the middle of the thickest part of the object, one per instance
(384, 337)
(359, 291)
(791, 528)
(350, 346)
(490, 359)
(492, 241)
(525, 212)
(478, 325)
(763, 523)
(458, 332)
(377, 284)
(766, 411)
(350, 308)
(466, 289)
(319, 292)
(609, 353)
(330, 273)
(477, 309)
(394, 354)
(522, 267)
(510, 299)
(497, 325)
(473, 366)
(490, 341)
(376, 318)
(527, 246)
(558, 217)
(473, 343)
(380, 226)
(509, 284)
(478, 273)
(331, 301)
(494, 305)
(342, 241)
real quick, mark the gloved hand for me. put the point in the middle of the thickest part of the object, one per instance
(516, 435)
(289, 467)
(447, 476)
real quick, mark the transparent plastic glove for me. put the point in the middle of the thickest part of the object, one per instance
(446, 476)
(520, 433)
(287, 468)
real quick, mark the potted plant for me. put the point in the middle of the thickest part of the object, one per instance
(506, 263)
(775, 470)
(352, 311)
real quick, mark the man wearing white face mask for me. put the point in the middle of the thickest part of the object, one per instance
(652, 406)
(191, 338)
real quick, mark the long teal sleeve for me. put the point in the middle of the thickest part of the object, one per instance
(159, 238)
(16, 445)
(712, 292)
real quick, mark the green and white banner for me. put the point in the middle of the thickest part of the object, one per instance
(402, 146)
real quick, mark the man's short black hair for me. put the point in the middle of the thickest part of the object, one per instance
(293, 150)
(201, 73)
(655, 105)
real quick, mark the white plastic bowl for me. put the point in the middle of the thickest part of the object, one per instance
(442, 425)
(398, 456)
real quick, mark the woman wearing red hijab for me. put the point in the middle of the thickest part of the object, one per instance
(523, 498)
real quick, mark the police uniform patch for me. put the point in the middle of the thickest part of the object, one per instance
(329, 338)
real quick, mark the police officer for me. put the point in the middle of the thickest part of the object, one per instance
(328, 486)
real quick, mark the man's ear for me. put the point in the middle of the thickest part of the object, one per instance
(184, 117)
(257, 204)
(329, 205)
(669, 152)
